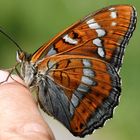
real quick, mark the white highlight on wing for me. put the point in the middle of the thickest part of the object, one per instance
(86, 63)
(113, 23)
(74, 100)
(97, 42)
(51, 65)
(90, 21)
(70, 40)
(88, 72)
(101, 52)
(100, 32)
(87, 80)
(83, 88)
(112, 8)
(93, 24)
(113, 14)
(51, 51)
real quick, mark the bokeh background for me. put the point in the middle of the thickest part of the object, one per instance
(33, 22)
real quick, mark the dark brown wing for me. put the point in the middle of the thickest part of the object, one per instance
(103, 34)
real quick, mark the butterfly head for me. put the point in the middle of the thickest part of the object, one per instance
(22, 56)
(28, 70)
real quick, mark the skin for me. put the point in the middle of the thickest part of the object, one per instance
(20, 118)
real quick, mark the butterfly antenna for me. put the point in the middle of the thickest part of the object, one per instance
(10, 39)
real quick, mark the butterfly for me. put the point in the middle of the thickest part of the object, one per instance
(77, 72)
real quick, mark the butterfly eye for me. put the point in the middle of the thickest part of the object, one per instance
(22, 56)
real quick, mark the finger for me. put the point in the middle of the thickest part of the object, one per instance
(19, 115)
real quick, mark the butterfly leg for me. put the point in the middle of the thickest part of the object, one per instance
(10, 71)
(9, 75)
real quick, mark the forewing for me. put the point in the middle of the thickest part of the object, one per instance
(81, 92)
(103, 34)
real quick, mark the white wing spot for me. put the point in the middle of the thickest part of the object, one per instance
(93, 24)
(86, 63)
(83, 88)
(97, 42)
(70, 40)
(100, 32)
(51, 64)
(111, 9)
(88, 72)
(75, 101)
(90, 21)
(51, 51)
(113, 23)
(113, 14)
(101, 52)
(87, 80)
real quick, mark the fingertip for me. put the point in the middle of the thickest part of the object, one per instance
(6, 77)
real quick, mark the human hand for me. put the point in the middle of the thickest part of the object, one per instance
(19, 115)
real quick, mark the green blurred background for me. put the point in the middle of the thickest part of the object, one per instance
(33, 22)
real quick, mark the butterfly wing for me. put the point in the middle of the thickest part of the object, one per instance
(103, 34)
(81, 92)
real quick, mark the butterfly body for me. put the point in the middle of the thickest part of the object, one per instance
(77, 71)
